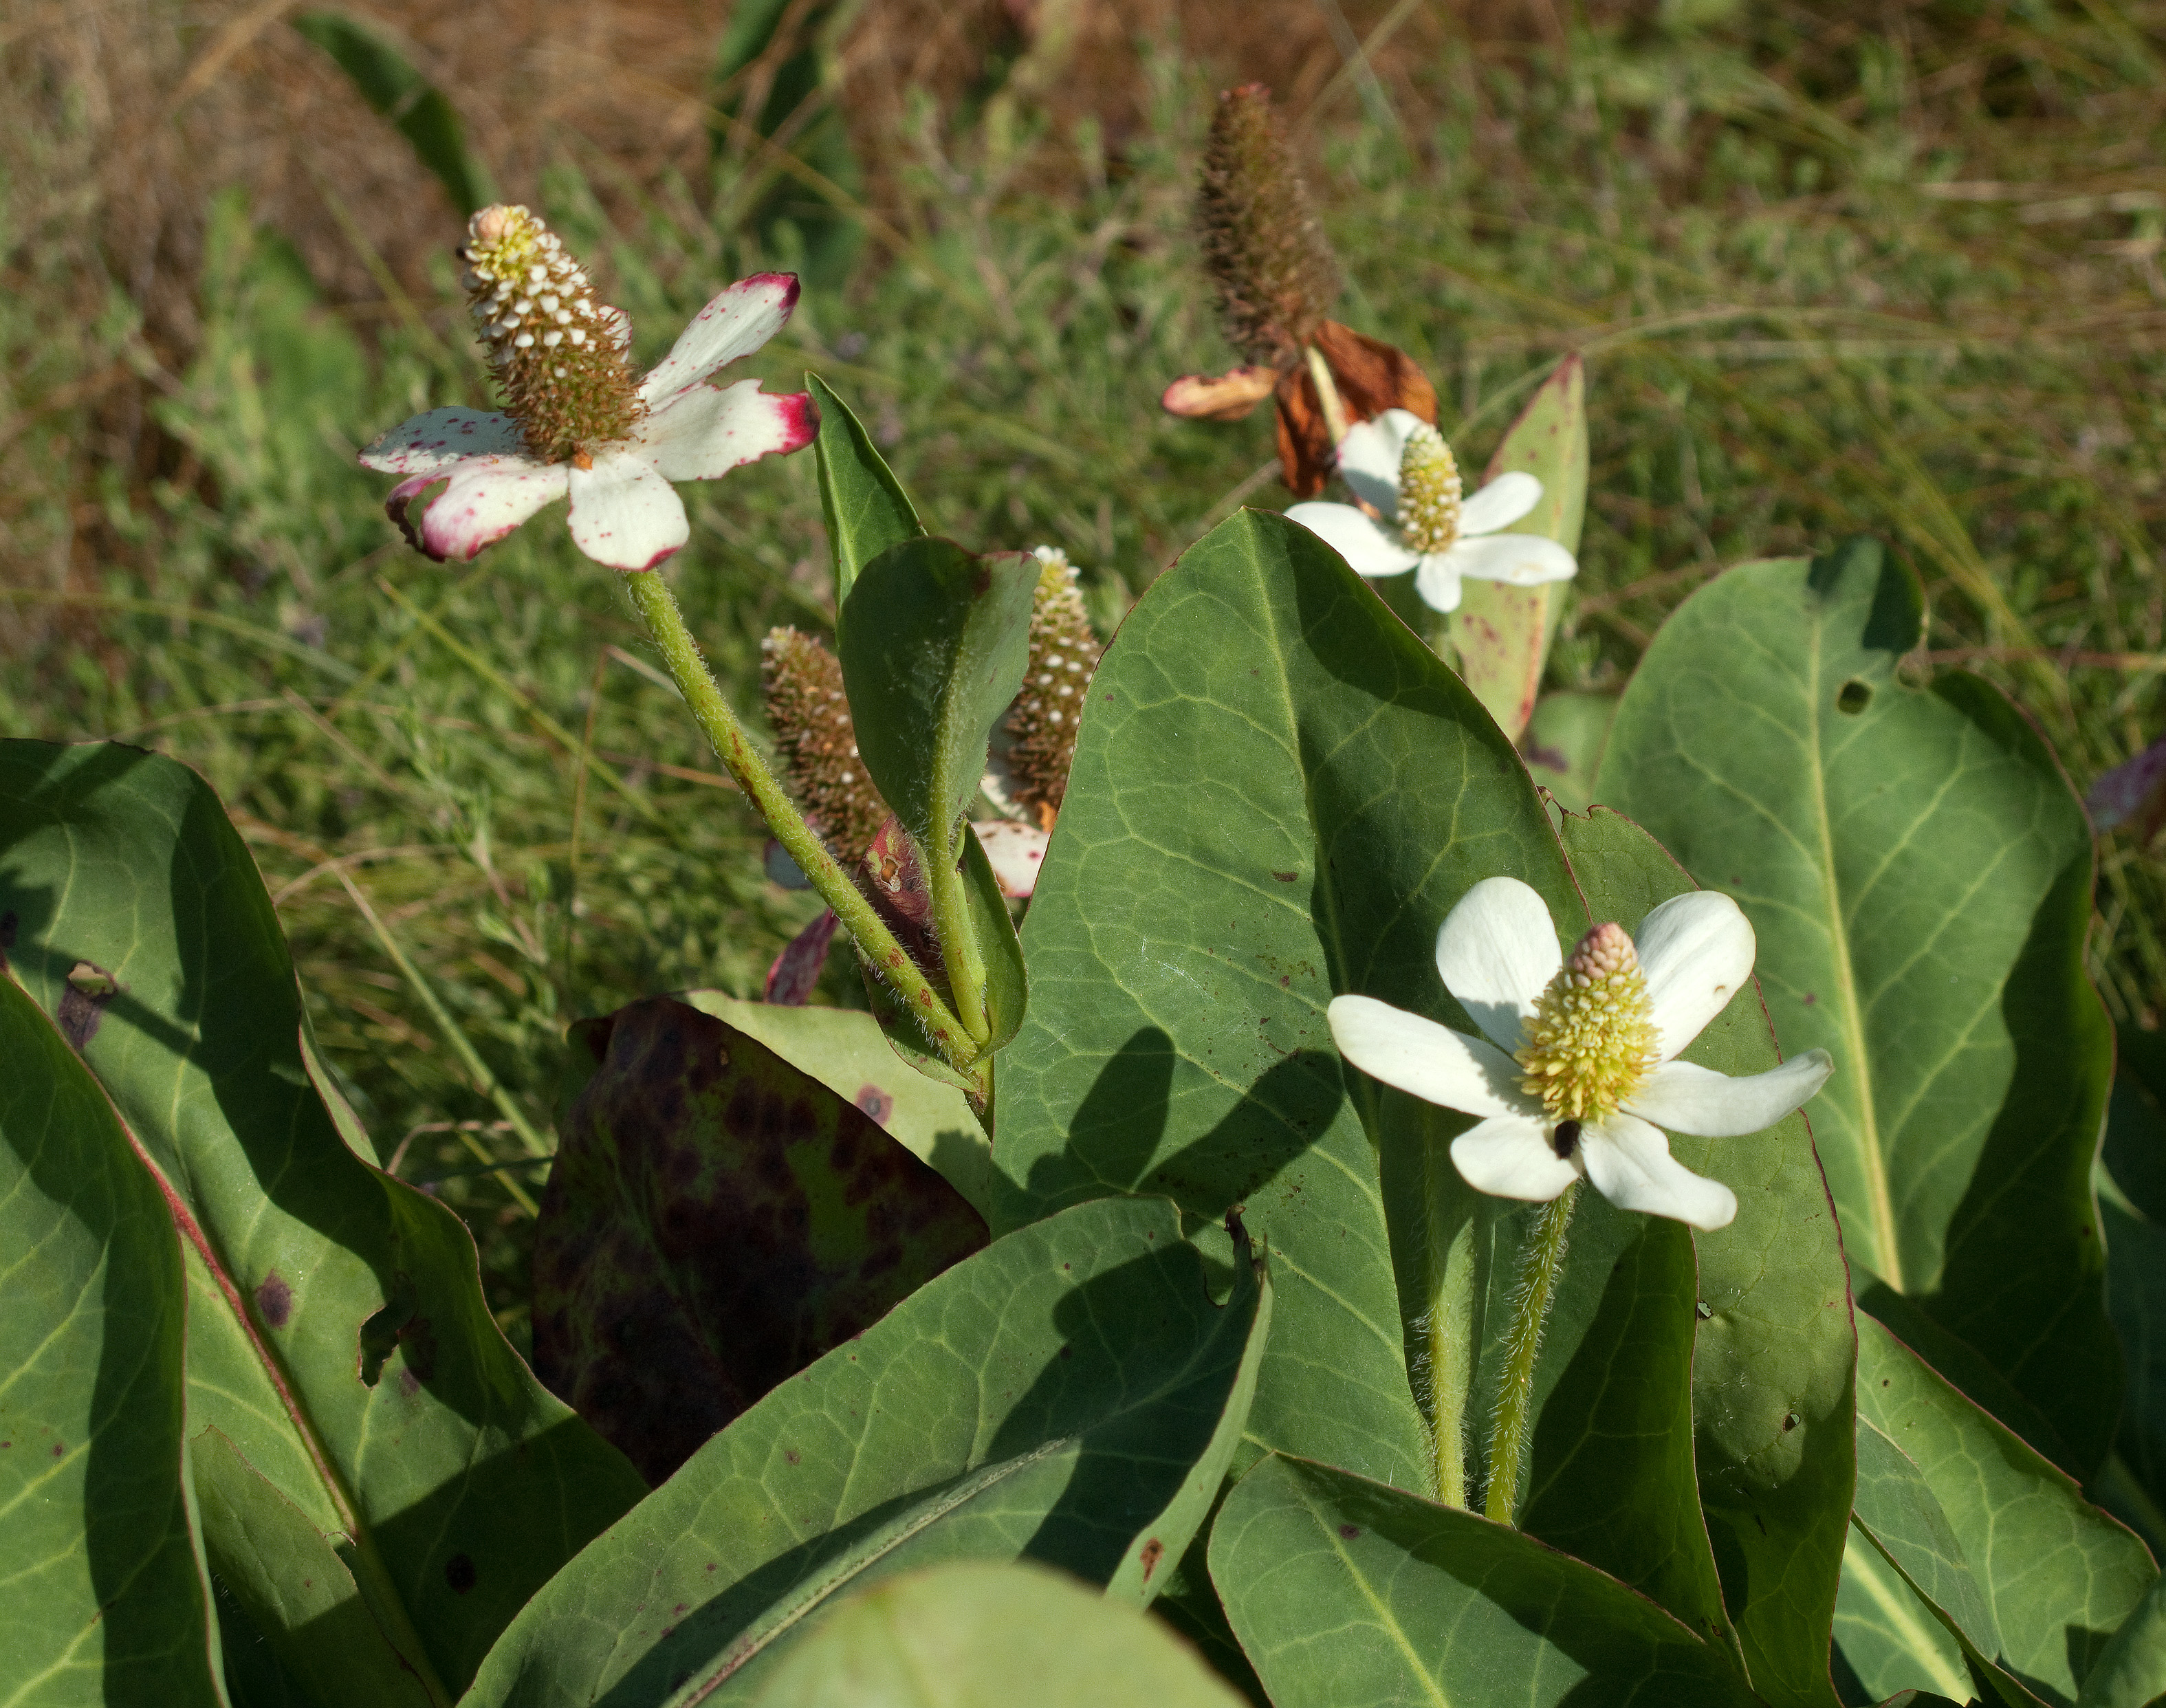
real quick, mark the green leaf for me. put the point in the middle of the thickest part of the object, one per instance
(1502, 633)
(716, 1219)
(2136, 1296)
(2129, 1671)
(1910, 1607)
(843, 1050)
(865, 505)
(1919, 873)
(394, 89)
(1347, 1593)
(1889, 1638)
(2058, 1576)
(1610, 1475)
(1067, 1395)
(108, 1597)
(973, 1636)
(1277, 794)
(1563, 745)
(933, 647)
(291, 1585)
(336, 1332)
(1899, 1514)
(1773, 1357)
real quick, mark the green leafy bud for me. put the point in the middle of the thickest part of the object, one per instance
(557, 353)
(810, 714)
(1262, 245)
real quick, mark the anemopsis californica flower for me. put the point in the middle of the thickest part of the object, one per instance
(1401, 468)
(578, 424)
(1577, 1070)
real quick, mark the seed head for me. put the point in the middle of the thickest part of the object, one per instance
(1592, 1039)
(1262, 245)
(808, 711)
(1064, 652)
(1429, 491)
(556, 352)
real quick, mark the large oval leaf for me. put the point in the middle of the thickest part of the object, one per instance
(1071, 1395)
(337, 1334)
(974, 1636)
(1347, 1594)
(1277, 794)
(108, 1597)
(2057, 1577)
(1919, 873)
(1773, 1359)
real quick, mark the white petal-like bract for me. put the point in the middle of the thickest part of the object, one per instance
(1369, 455)
(435, 442)
(1497, 951)
(1630, 1164)
(1520, 560)
(1695, 952)
(736, 322)
(701, 432)
(1499, 504)
(1710, 1105)
(1510, 1156)
(1367, 548)
(1437, 581)
(1435, 1063)
(484, 499)
(626, 514)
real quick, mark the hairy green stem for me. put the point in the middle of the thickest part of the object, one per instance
(1541, 1261)
(657, 608)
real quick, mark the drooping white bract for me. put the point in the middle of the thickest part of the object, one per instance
(624, 513)
(1577, 1070)
(1400, 467)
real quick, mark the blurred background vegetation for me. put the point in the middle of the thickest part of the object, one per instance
(1835, 268)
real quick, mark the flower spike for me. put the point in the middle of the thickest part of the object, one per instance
(575, 423)
(1577, 1071)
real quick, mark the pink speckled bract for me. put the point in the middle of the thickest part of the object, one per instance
(624, 512)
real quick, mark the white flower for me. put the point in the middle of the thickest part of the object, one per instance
(624, 512)
(1578, 1070)
(1400, 466)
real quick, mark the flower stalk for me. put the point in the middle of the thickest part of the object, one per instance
(658, 609)
(1541, 1261)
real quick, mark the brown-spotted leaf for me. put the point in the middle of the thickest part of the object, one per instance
(716, 1219)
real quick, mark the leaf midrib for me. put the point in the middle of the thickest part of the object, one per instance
(1880, 1201)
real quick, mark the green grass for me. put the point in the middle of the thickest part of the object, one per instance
(1796, 330)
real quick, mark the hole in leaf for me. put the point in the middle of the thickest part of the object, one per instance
(1852, 698)
(381, 1333)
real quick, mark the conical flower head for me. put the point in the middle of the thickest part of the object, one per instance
(1064, 652)
(1262, 245)
(1591, 1039)
(810, 714)
(1430, 492)
(557, 353)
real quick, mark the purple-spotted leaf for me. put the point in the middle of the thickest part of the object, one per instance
(716, 1219)
(1502, 632)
